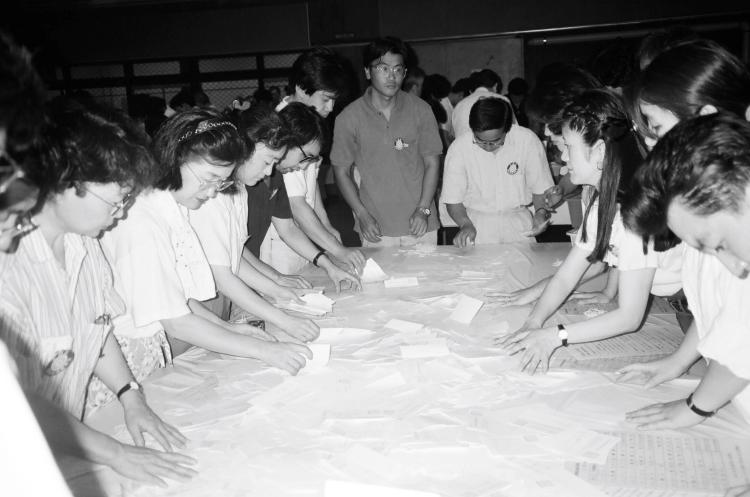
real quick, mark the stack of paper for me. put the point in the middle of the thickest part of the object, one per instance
(372, 272)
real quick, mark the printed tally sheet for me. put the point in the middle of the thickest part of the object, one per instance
(408, 397)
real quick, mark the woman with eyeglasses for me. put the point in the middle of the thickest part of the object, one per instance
(222, 227)
(57, 298)
(492, 174)
(159, 265)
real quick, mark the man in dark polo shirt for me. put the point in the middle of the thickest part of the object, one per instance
(393, 140)
(268, 201)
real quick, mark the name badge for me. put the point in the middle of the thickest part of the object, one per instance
(512, 168)
(400, 144)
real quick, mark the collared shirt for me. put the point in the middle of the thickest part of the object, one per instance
(158, 264)
(221, 226)
(460, 118)
(389, 155)
(265, 200)
(625, 252)
(301, 183)
(54, 318)
(719, 303)
(497, 181)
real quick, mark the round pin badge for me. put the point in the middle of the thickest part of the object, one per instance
(59, 363)
(512, 168)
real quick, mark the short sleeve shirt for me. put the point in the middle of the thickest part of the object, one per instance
(719, 303)
(221, 226)
(389, 155)
(496, 181)
(55, 319)
(158, 264)
(264, 202)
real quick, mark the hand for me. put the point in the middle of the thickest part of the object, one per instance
(292, 281)
(252, 331)
(553, 197)
(140, 419)
(304, 330)
(341, 277)
(541, 222)
(537, 347)
(651, 373)
(353, 258)
(418, 223)
(465, 236)
(369, 227)
(151, 466)
(591, 297)
(285, 355)
(286, 294)
(519, 297)
(671, 415)
(743, 491)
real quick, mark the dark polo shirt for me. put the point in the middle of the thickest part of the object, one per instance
(265, 201)
(389, 155)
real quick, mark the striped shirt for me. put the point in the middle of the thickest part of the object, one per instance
(55, 319)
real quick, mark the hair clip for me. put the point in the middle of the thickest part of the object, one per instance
(204, 126)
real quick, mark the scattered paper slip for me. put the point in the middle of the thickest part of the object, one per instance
(342, 335)
(401, 282)
(321, 355)
(316, 304)
(336, 488)
(372, 272)
(400, 325)
(432, 348)
(466, 309)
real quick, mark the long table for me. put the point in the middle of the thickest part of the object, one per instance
(435, 407)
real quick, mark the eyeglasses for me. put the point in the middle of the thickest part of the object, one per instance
(307, 159)
(219, 185)
(117, 208)
(489, 143)
(386, 70)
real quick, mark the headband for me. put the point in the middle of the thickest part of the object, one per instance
(204, 126)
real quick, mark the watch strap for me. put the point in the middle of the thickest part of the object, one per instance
(697, 410)
(131, 385)
(563, 340)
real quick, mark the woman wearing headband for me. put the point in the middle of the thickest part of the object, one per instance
(160, 268)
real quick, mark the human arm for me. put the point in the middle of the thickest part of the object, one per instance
(418, 220)
(555, 195)
(467, 233)
(286, 280)
(604, 296)
(368, 225)
(542, 216)
(296, 239)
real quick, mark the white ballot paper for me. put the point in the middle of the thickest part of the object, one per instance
(316, 304)
(437, 347)
(335, 488)
(466, 309)
(321, 355)
(372, 272)
(401, 282)
(400, 325)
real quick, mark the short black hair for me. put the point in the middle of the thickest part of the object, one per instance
(304, 125)
(704, 162)
(319, 69)
(197, 132)
(463, 86)
(486, 78)
(378, 48)
(490, 113)
(660, 41)
(556, 86)
(518, 86)
(90, 142)
(261, 124)
(436, 86)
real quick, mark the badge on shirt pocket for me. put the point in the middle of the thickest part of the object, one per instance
(400, 144)
(56, 354)
(512, 168)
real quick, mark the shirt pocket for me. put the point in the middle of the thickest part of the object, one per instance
(56, 354)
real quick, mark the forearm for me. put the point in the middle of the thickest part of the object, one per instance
(240, 294)
(202, 331)
(253, 278)
(320, 211)
(613, 279)
(687, 353)
(349, 190)
(312, 226)
(295, 238)
(559, 287)
(111, 367)
(718, 386)
(430, 180)
(458, 213)
(259, 265)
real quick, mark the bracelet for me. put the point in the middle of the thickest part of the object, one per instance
(546, 211)
(696, 410)
(315, 259)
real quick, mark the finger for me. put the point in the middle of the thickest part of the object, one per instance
(163, 468)
(175, 436)
(137, 436)
(301, 349)
(648, 413)
(160, 438)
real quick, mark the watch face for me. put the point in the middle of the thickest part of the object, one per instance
(426, 211)
(562, 334)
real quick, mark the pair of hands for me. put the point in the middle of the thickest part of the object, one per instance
(142, 463)
(468, 232)
(370, 228)
(290, 356)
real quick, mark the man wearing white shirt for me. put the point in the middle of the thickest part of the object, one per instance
(696, 183)
(318, 79)
(487, 84)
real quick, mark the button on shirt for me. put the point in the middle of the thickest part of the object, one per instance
(719, 303)
(55, 319)
(389, 155)
(158, 264)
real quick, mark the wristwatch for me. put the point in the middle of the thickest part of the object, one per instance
(133, 385)
(425, 210)
(562, 334)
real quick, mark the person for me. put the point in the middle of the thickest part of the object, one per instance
(189, 97)
(602, 151)
(268, 204)
(414, 81)
(159, 266)
(57, 297)
(221, 225)
(518, 90)
(696, 183)
(435, 92)
(319, 79)
(660, 41)
(460, 90)
(393, 140)
(492, 174)
(485, 83)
